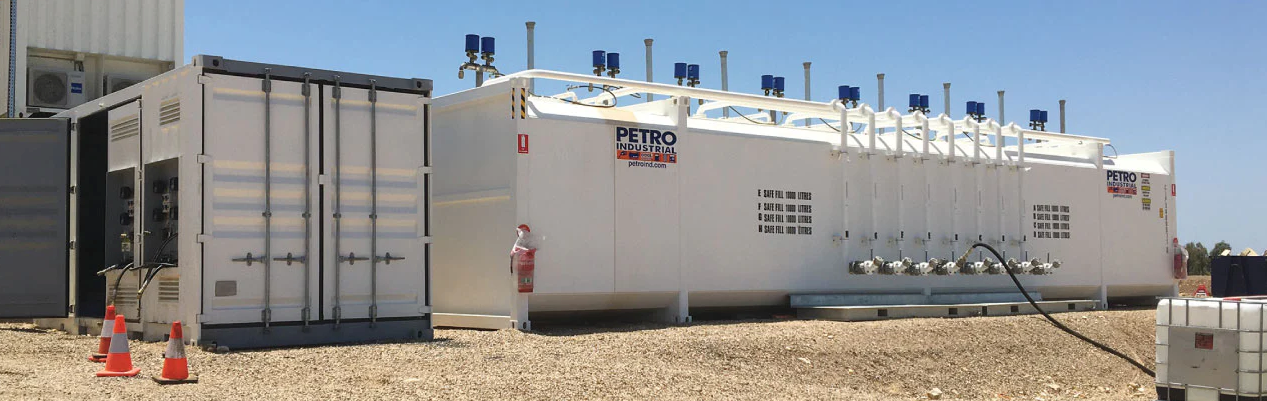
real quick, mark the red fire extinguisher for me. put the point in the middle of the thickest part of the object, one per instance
(1181, 261)
(523, 259)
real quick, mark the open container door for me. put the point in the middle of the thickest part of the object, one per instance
(34, 254)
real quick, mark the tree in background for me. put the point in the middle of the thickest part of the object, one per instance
(1198, 259)
(1219, 248)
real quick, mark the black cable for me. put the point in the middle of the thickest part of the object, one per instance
(601, 106)
(749, 119)
(829, 125)
(1053, 321)
(155, 267)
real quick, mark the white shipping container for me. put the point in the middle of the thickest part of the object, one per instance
(753, 212)
(260, 205)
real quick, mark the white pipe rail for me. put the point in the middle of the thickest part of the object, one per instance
(827, 111)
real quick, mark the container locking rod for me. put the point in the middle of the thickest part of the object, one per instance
(267, 87)
(373, 98)
(336, 94)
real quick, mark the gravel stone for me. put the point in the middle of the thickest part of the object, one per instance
(978, 358)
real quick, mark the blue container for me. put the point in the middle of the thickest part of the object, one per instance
(923, 101)
(679, 70)
(600, 58)
(473, 43)
(842, 91)
(972, 108)
(692, 71)
(486, 45)
(1035, 115)
(778, 84)
(855, 93)
(767, 83)
(914, 101)
(613, 60)
(981, 108)
(1044, 115)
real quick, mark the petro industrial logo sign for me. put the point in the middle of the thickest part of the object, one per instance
(1122, 184)
(642, 147)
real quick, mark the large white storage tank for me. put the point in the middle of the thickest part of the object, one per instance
(258, 204)
(657, 205)
(66, 52)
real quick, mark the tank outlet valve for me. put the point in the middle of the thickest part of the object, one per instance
(866, 266)
(895, 267)
(941, 267)
(977, 267)
(996, 268)
(917, 269)
(1017, 267)
(1046, 268)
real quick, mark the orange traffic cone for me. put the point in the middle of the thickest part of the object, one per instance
(107, 330)
(119, 359)
(175, 366)
(1201, 291)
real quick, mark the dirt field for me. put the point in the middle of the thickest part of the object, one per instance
(991, 358)
(1189, 285)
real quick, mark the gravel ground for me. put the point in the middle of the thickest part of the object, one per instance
(1189, 285)
(985, 358)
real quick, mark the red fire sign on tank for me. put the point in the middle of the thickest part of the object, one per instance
(523, 143)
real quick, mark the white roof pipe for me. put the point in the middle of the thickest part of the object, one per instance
(807, 97)
(648, 41)
(879, 78)
(974, 126)
(749, 100)
(1001, 107)
(725, 80)
(897, 128)
(1062, 116)
(945, 86)
(532, 59)
(925, 127)
(824, 110)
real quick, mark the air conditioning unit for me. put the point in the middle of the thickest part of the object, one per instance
(54, 88)
(115, 83)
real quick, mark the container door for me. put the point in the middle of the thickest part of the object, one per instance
(376, 246)
(34, 154)
(255, 261)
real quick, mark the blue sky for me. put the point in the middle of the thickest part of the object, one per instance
(1151, 76)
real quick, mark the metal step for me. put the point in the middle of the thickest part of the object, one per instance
(810, 300)
(880, 312)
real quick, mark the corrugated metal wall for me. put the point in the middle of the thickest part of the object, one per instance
(146, 29)
(138, 38)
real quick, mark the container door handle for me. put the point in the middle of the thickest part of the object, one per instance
(249, 259)
(352, 258)
(291, 258)
(388, 258)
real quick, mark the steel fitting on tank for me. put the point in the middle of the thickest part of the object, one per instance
(866, 266)
(995, 267)
(896, 267)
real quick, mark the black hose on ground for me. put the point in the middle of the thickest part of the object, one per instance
(1053, 321)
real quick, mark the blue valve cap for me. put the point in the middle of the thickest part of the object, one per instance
(487, 45)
